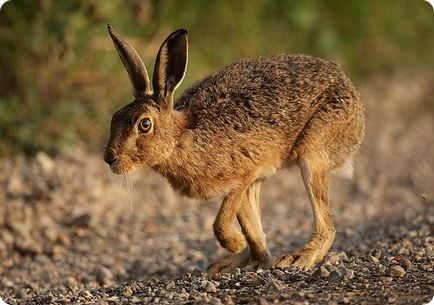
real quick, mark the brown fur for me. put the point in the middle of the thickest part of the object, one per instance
(233, 129)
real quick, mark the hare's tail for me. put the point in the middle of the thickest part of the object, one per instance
(346, 170)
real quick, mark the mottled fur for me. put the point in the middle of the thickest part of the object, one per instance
(234, 128)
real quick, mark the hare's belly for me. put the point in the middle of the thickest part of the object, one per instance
(202, 187)
(206, 185)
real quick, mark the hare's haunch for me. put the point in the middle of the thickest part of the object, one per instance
(231, 130)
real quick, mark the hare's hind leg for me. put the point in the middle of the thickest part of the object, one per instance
(316, 181)
(254, 255)
(327, 144)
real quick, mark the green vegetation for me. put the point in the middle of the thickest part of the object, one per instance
(60, 78)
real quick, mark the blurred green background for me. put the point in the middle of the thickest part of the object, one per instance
(60, 78)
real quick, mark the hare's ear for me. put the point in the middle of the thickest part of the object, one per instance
(133, 64)
(171, 64)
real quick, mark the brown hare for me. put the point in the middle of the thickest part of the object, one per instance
(231, 130)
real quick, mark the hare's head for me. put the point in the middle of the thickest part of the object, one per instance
(143, 132)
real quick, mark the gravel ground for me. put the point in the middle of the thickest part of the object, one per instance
(73, 233)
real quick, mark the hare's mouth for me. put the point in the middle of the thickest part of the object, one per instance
(120, 168)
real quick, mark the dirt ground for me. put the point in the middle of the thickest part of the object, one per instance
(73, 233)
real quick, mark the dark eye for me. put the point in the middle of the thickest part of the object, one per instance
(145, 125)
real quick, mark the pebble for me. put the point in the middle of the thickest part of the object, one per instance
(16, 186)
(103, 276)
(85, 294)
(381, 268)
(81, 221)
(171, 285)
(70, 282)
(322, 272)
(406, 263)
(376, 253)
(335, 275)
(227, 299)
(396, 271)
(374, 259)
(348, 274)
(387, 279)
(45, 162)
(28, 246)
(331, 268)
(113, 299)
(210, 287)
(263, 301)
(335, 258)
(127, 292)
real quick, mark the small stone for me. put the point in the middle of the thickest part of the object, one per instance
(227, 299)
(81, 221)
(331, 268)
(279, 272)
(387, 279)
(22, 294)
(263, 301)
(197, 272)
(85, 294)
(376, 253)
(113, 299)
(16, 187)
(335, 258)
(335, 275)
(170, 285)
(396, 271)
(127, 292)
(28, 247)
(374, 259)
(348, 274)
(45, 162)
(103, 276)
(322, 272)
(406, 263)
(70, 282)
(210, 287)
(381, 268)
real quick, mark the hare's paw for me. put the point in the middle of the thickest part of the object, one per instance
(229, 263)
(260, 260)
(240, 260)
(304, 259)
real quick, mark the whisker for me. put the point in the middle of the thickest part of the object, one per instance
(98, 145)
(129, 184)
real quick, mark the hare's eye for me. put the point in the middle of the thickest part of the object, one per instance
(145, 125)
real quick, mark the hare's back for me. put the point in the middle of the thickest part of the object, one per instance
(254, 92)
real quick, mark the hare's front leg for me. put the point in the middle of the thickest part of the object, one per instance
(225, 230)
(256, 253)
(316, 180)
(249, 219)
(229, 236)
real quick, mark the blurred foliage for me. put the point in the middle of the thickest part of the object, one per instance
(61, 78)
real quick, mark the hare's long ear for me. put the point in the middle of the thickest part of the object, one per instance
(171, 64)
(133, 64)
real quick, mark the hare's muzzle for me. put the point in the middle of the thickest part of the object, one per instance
(109, 157)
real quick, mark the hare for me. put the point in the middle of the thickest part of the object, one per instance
(231, 130)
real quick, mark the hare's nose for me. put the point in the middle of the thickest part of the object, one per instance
(110, 161)
(109, 157)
